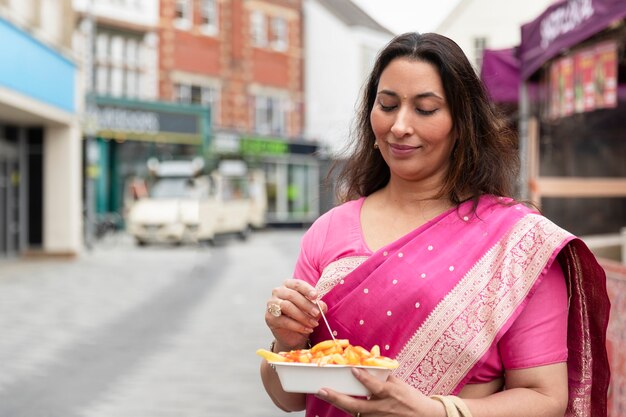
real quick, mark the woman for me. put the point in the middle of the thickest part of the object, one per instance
(430, 259)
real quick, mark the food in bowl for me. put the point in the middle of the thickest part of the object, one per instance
(328, 364)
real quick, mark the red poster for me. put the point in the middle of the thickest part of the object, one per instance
(567, 94)
(606, 75)
(584, 75)
(555, 90)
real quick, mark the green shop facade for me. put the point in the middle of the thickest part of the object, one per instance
(126, 133)
(292, 172)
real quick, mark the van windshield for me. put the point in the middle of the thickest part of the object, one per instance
(172, 188)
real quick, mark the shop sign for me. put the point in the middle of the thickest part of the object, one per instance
(562, 26)
(263, 146)
(126, 120)
(225, 142)
(123, 119)
(564, 20)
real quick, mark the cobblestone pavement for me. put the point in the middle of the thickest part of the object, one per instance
(141, 332)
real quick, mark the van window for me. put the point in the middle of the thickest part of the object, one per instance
(172, 188)
(234, 188)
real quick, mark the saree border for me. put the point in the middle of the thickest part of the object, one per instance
(335, 272)
(465, 324)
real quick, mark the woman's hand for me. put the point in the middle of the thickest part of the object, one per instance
(295, 313)
(389, 398)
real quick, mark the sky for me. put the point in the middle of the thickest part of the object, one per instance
(408, 15)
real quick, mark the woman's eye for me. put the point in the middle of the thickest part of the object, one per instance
(386, 108)
(425, 112)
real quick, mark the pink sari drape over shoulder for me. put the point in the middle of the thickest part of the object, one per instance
(438, 298)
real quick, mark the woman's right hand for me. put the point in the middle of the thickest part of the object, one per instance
(299, 313)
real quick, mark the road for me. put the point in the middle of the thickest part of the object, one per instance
(141, 332)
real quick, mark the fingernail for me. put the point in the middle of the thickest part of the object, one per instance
(356, 372)
(313, 295)
(314, 323)
(315, 312)
(308, 330)
(322, 393)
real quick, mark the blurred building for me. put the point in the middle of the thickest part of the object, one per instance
(40, 146)
(244, 60)
(341, 43)
(175, 79)
(573, 76)
(126, 122)
(477, 25)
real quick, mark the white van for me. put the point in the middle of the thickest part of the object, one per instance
(182, 206)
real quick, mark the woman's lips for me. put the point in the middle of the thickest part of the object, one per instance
(399, 149)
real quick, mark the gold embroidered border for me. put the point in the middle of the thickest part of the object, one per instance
(462, 327)
(336, 271)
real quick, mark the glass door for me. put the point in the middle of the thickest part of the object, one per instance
(9, 198)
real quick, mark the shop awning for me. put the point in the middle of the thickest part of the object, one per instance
(563, 25)
(500, 74)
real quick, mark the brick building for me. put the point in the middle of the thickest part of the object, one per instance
(244, 60)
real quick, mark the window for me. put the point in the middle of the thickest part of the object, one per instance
(209, 16)
(102, 47)
(258, 29)
(118, 68)
(102, 80)
(117, 82)
(182, 14)
(480, 44)
(132, 57)
(279, 33)
(269, 115)
(202, 95)
(117, 50)
(102, 64)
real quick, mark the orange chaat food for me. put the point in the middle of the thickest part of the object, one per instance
(332, 352)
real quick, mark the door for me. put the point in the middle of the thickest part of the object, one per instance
(9, 198)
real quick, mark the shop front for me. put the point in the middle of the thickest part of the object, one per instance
(40, 205)
(126, 134)
(572, 107)
(291, 168)
(573, 140)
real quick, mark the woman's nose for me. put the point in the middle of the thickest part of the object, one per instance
(402, 124)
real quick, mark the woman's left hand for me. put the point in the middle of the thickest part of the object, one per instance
(389, 398)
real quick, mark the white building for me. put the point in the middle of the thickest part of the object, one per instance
(125, 46)
(341, 43)
(40, 142)
(480, 24)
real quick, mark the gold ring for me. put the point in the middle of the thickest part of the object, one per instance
(274, 309)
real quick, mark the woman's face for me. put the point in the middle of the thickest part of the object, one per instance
(412, 122)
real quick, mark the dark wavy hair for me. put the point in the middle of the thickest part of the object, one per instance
(484, 159)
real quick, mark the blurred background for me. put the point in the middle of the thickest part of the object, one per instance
(160, 160)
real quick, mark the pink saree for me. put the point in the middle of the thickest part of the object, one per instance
(440, 297)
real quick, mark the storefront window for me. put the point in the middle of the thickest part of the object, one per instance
(581, 103)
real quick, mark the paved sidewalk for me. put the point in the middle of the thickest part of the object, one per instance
(141, 332)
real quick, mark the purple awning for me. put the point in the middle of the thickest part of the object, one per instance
(500, 74)
(562, 25)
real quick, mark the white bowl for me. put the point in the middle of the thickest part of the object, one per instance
(309, 378)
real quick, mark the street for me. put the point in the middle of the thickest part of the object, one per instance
(141, 332)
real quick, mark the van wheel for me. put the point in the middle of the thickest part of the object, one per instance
(140, 242)
(245, 233)
(207, 242)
